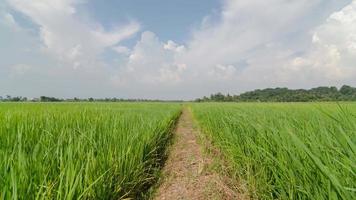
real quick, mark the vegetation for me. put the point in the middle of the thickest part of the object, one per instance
(9, 98)
(286, 151)
(81, 150)
(14, 99)
(345, 93)
(93, 150)
(49, 99)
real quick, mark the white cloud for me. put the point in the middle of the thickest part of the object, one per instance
(253, 44)
(256, 44)
(171, 45)
(151, 62)
(223, 72)
(117, 35)
(68, 38)
(9, 20)
(121, 50)
(333, 54)
(244, 27)
(171, 73)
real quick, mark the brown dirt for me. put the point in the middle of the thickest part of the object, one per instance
(188, 172)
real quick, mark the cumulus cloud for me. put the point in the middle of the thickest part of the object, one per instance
(121, 50)
(60, 51)
(68, 38)
(245, 28)
(333, 52)
(171, 45)
(224, 72)
(268, 44)
(249, 44)
(254, 44)
(151, 62)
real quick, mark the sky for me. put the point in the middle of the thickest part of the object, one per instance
(177, 49)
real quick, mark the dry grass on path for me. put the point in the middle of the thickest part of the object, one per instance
(188, 172)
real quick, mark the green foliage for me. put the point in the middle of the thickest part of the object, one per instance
(81, 150)
(346, 93)
(286, 151)
(13, 99)
(49, 99)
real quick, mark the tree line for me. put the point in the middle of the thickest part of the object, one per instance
(345, 93)
(9, 98)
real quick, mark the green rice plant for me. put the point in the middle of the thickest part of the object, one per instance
(82, 150)
(286, 150)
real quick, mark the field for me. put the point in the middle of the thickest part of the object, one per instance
(82, 150)
(117, 150)
(286, 150)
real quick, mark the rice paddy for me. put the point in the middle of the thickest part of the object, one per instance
(82, 150)
(286, 150)
(117, 150)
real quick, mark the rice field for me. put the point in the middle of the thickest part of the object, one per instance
(116, 150)
(286, 150)
(82, 150)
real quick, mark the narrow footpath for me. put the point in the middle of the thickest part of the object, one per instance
(187, 173)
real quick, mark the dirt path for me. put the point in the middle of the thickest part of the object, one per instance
(187, 173)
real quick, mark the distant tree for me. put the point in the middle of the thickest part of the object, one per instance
(346, 93)
(16, 99)
(347, 90)
(49, 99)
(217, 97)
(229, 97)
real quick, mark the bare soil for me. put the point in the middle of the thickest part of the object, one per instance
(189, 171)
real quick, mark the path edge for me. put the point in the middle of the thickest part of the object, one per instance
(233, 182)
(152, 189)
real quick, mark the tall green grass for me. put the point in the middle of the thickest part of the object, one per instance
(286, 151)
(82, 150)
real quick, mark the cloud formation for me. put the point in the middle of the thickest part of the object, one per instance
(254, 44)
(68, 38)
(333, 53)
(151, 62)
(247, 45)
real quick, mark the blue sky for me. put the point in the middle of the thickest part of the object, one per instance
(176, 49)
(171, 20)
